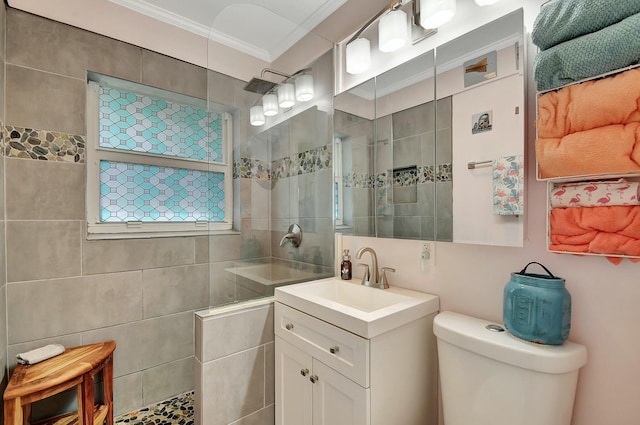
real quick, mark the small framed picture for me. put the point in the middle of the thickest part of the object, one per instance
(481, 122)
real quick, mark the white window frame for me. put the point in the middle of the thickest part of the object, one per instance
(338, 181)
(95, 153)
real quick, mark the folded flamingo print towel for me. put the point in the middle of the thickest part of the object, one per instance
(600, 230)
(613, 149)
(592, 104)
(594, 194)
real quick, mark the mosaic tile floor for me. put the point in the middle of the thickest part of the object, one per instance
(175, 411)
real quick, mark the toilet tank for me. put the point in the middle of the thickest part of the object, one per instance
(493, 378)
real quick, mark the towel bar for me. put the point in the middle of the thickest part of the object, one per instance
(472, 165)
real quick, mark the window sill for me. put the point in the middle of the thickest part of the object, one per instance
(151, 235)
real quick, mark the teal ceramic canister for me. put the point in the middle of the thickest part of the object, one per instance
(537, 307)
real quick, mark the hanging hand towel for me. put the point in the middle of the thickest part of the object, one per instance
(40, 354)
(595, 194)
(508, 179)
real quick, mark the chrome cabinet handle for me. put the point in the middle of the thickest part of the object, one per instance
(313, 378)
(289, 326)
(304, 372)
(334, 350)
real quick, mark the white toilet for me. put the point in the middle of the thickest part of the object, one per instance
(490, 377)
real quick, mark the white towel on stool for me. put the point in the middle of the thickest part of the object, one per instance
(40, 354)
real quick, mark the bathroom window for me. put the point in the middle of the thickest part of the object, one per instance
(157, 162)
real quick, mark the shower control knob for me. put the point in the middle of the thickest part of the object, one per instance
(313, 378)
(334, 350)
(289, 326)
(304, 372)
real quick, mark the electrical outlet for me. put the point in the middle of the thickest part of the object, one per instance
(426, 256)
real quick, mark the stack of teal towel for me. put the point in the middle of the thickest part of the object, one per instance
(580, 39)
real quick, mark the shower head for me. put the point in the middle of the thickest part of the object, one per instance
(260, 86)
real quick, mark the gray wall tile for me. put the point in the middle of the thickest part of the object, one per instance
(167, 339)
(266, 416)
(230, 333)
(225, 247)
(41, 43)
(270, 380)
(175, 289)
(148, 343)
(167, 380)
(35, 189)
(233, 387)
(202, 249)
(172, 74)
(43, 249)
(127, 393)
(222, 286)
(107, 256)
(33, 93)
(77, 304)
(127, 359)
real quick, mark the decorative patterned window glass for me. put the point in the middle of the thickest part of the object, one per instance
(136, 192)
(134, 122)
(158, 161)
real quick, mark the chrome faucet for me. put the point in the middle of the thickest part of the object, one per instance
(371, 276)
(293, 235)
(369, 279)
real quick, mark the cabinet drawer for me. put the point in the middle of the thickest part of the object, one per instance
(341, 350)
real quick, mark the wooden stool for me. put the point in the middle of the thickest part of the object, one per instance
(76, 367)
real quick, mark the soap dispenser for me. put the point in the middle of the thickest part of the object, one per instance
(345, 266)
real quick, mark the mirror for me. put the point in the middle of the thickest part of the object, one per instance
(403, 141)
(480, 85)
(353, 153)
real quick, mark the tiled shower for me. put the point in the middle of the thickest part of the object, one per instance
(142, 293)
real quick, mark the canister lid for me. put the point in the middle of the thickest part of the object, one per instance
(471, 334)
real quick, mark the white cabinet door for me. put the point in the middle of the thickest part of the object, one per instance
(338, 400)
(293, 386)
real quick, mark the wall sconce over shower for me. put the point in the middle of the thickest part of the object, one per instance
(296, 87)
(395, 27)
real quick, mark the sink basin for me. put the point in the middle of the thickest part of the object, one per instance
(358, 309)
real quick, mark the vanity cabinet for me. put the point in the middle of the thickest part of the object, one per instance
(327, 375)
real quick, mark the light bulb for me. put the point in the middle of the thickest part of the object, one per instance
(286, 95)
(358, 55)
(256, 115)
(270, 105)
(392, 31)
(486, 2)
(434, 13)
(304, 88)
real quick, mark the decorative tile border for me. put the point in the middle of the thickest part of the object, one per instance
(175, 411)
(401, 178)
(248, 168)
(306, 162)
(29, 143)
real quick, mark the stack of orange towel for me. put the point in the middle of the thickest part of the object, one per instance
(600, 217)
(591, 128)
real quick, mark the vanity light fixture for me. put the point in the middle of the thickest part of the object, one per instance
(392, 31)
(434, 13)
